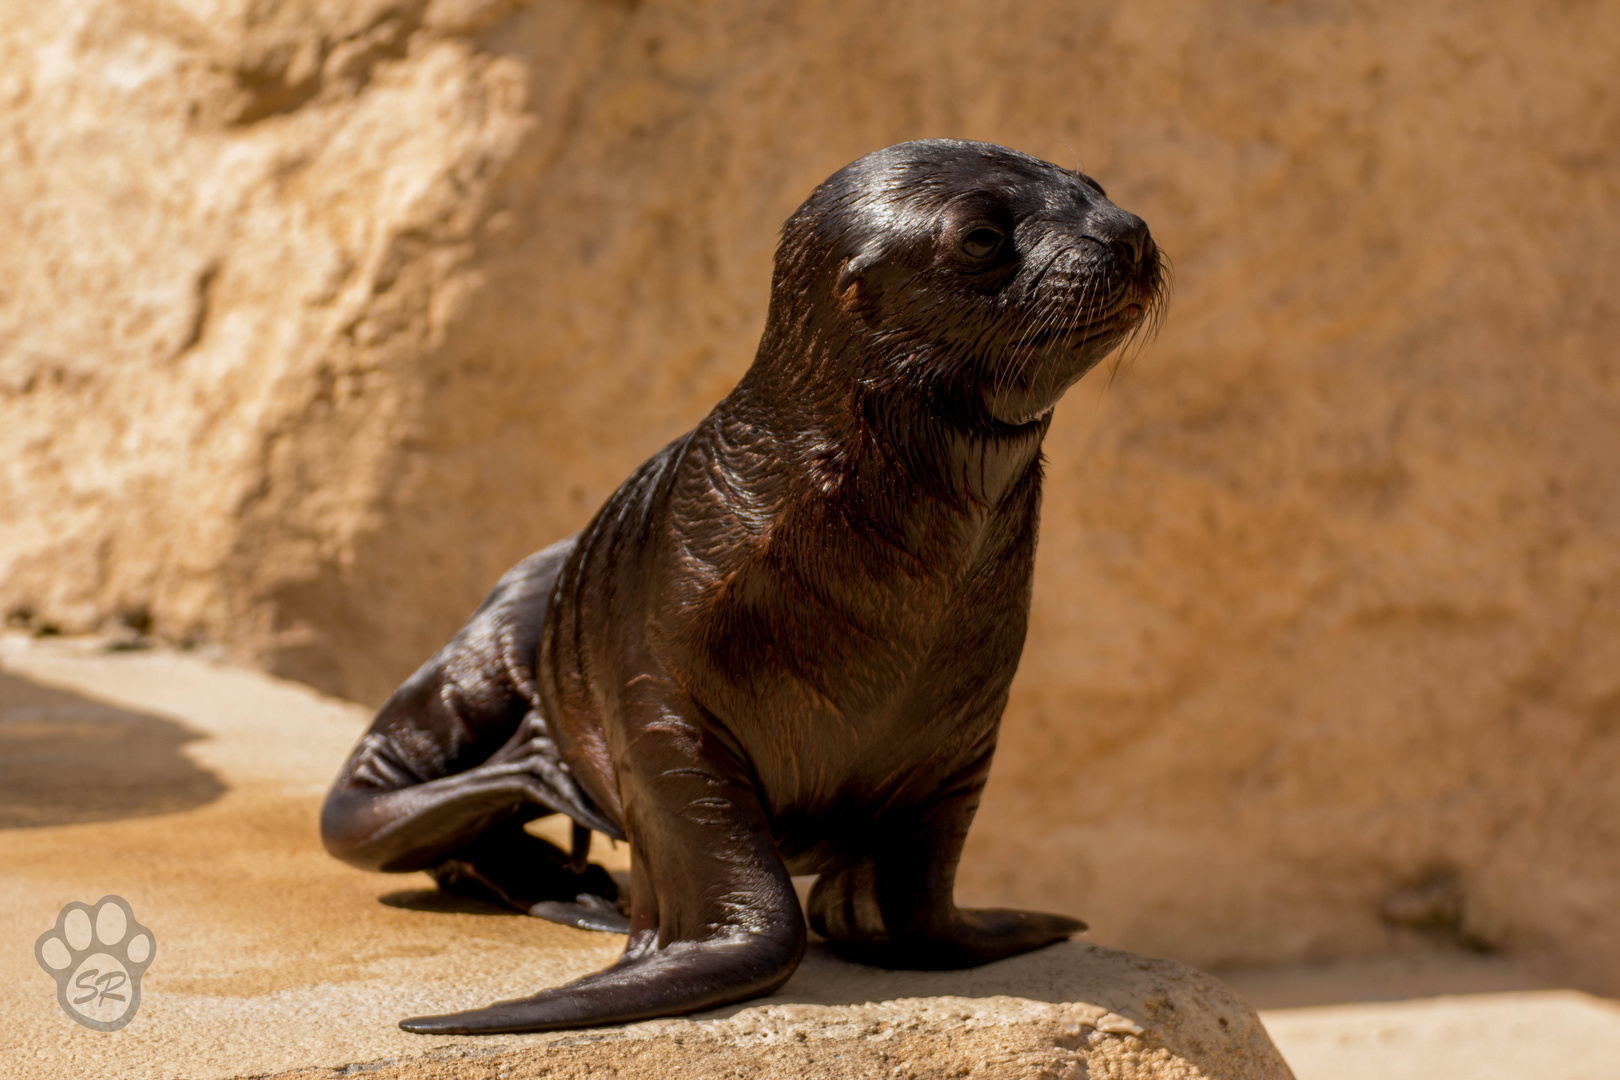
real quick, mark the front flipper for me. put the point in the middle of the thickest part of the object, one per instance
(714, 918)
(897, 909)
(679, 978)
(956, 938)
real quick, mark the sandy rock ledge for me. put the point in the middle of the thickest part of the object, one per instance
(1126, 1017)
(276, 960)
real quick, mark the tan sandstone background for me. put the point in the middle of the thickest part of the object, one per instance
(316, 315)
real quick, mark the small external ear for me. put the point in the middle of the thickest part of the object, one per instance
(859, 263)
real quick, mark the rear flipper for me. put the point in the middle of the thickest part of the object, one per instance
(509, 866)
(586, 912)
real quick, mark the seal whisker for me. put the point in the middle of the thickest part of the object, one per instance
(1040, 316)
(1005, 380)
(1147, 331)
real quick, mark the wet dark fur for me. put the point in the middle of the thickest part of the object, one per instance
(784, 645)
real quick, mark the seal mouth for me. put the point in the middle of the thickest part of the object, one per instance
(1125, 314)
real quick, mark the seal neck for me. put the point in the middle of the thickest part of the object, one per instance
(893, 443)
(966, 460)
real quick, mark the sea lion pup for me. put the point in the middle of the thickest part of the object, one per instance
(784, 645)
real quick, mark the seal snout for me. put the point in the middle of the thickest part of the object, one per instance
(1122, 233)
(1136, 258)
(1132, 242)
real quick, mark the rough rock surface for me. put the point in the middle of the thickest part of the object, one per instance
(1199, 1029)
(316, 315)
(273, 958)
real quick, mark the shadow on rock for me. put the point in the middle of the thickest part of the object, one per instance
(440, 902)
(67, 759)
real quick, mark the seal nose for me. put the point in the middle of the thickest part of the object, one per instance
(1123, 231)
(1135, 240)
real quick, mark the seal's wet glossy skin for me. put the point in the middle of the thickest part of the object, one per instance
(784, 645)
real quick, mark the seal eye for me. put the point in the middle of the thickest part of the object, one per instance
(981, 242)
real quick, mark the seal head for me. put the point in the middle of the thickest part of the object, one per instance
(979, 280)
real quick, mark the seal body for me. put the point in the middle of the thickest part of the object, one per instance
(784, 645)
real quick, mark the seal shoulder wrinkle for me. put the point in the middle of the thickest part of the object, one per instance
(784, 645)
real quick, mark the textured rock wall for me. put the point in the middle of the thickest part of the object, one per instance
(315, 316)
